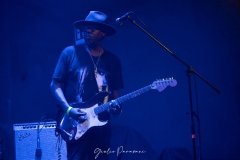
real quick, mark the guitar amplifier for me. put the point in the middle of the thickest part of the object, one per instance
(28, 138)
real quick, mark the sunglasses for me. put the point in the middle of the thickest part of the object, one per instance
(92, 28)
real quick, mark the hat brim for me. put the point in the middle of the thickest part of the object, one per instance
(109, 30)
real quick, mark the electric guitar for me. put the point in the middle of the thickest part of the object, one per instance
(72, 130)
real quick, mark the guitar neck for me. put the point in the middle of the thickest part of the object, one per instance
(133, 94)
(122, 99)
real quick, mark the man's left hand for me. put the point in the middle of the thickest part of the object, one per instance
(115, 108)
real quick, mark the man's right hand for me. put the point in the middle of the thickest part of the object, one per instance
(77, 114)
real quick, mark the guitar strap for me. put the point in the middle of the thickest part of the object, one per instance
(82, 76)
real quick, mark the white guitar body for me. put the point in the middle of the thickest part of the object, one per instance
(77, 129)
(91, 121)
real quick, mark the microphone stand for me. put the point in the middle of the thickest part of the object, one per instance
(190, 71)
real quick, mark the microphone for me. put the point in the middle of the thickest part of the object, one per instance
(38, 152)
(123, 18)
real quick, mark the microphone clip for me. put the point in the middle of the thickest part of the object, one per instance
(123, 18)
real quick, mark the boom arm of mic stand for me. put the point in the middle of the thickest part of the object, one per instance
(185, 64)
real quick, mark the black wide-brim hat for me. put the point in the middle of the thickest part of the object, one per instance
(98, 19)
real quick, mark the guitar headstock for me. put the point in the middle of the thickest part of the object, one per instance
(161, 84)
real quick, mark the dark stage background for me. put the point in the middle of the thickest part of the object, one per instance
(203, 33)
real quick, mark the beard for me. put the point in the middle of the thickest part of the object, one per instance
(91, 44)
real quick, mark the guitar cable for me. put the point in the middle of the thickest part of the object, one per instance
(58, 147)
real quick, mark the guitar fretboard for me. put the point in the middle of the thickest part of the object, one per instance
(122, 99)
